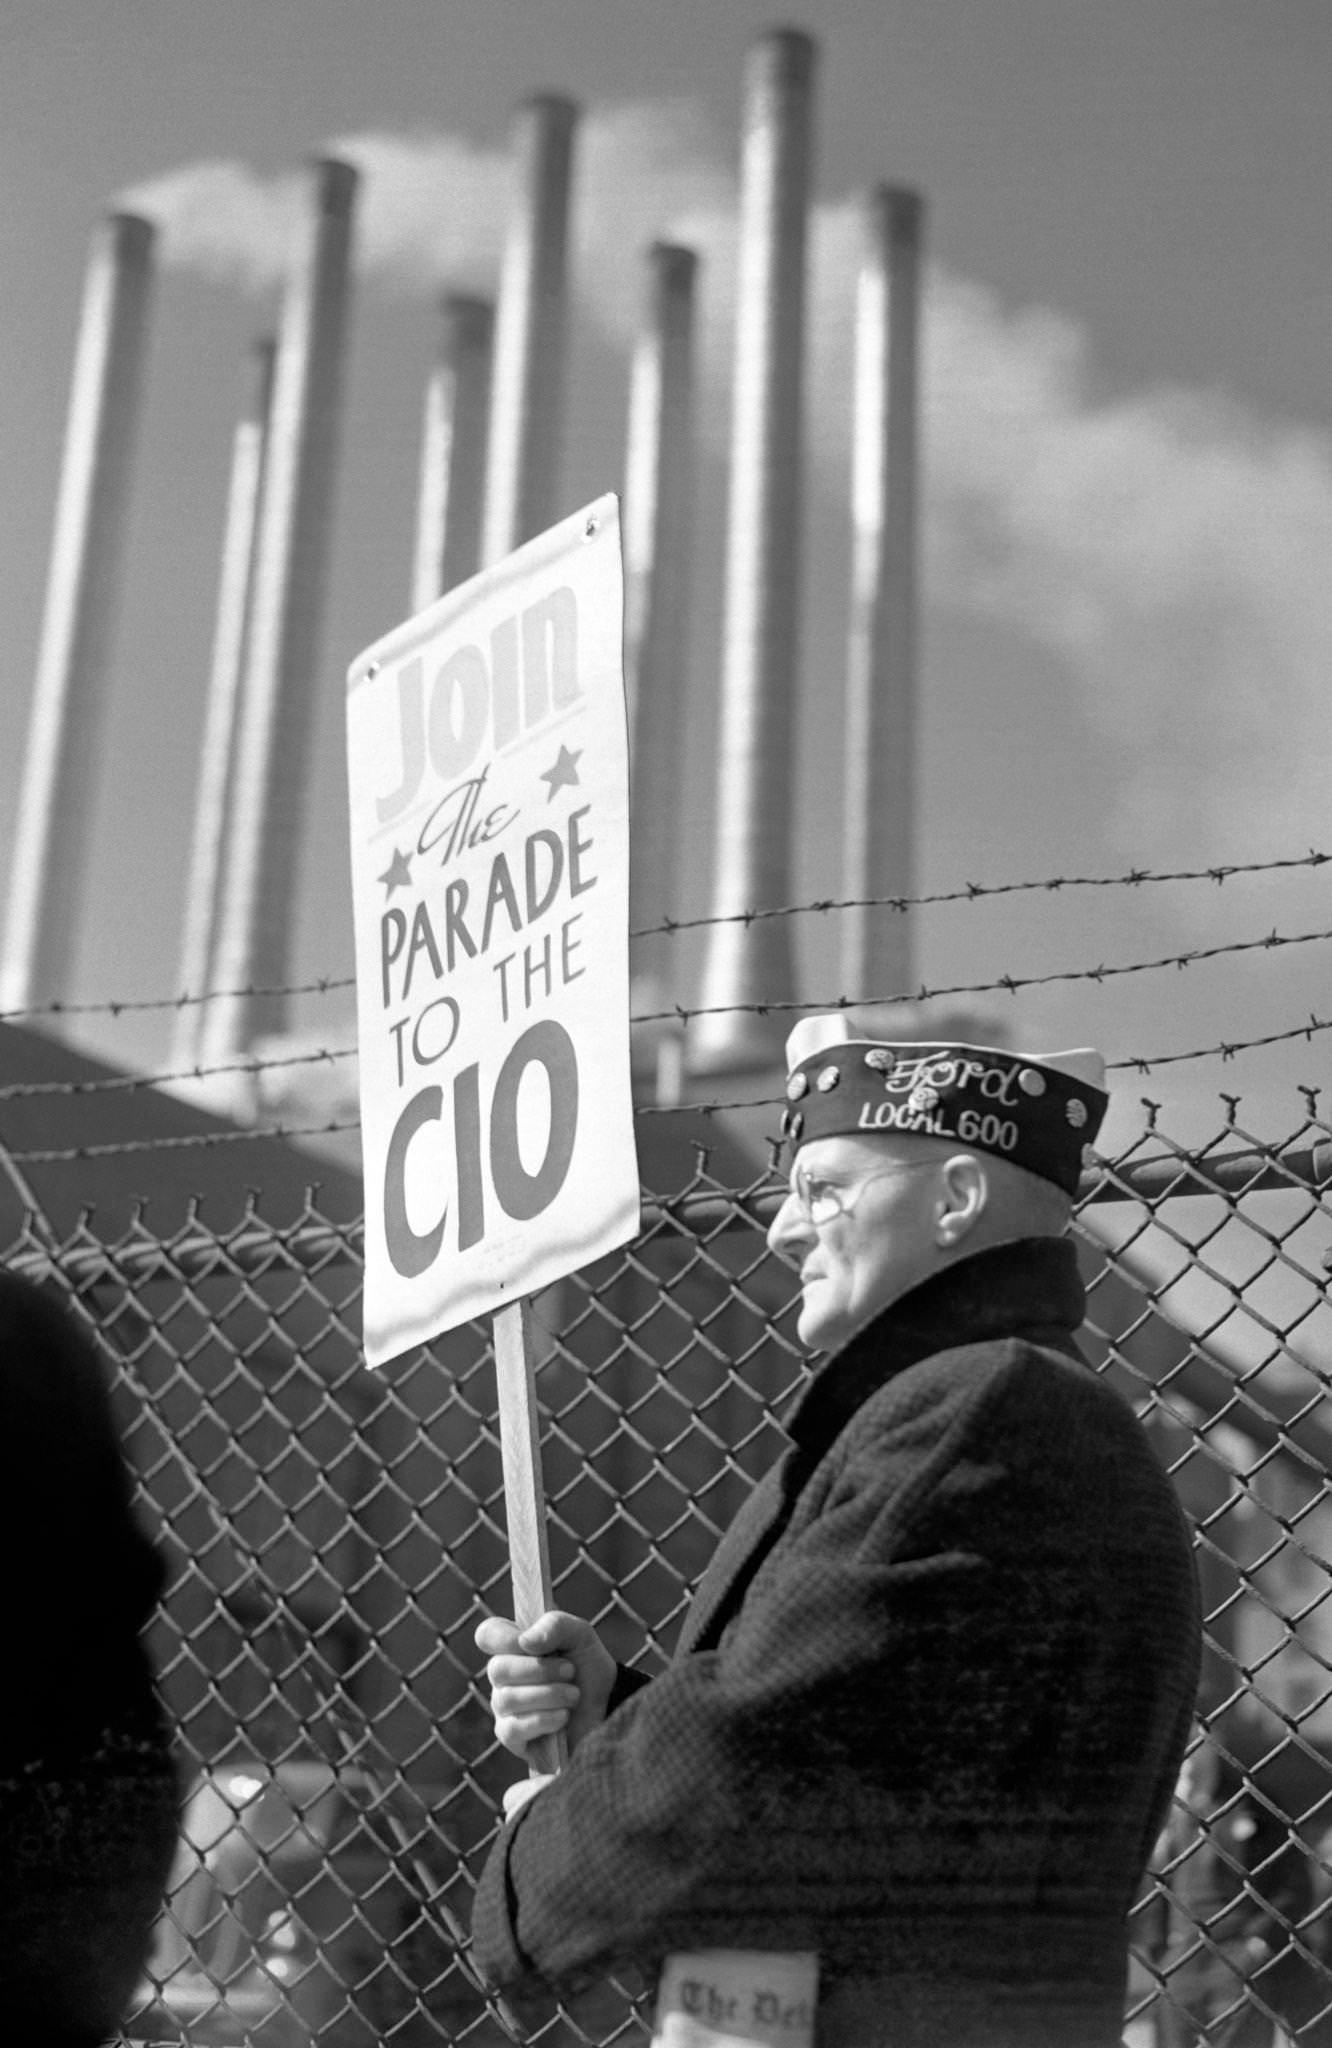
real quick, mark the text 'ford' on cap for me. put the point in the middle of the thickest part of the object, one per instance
(1040, 1110)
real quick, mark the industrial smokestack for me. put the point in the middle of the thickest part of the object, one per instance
(453, 451)
(278, 692)
(217, 756)
(753, 964)
(526, 417)
(881, 670)
(50, 846)
(658, 493)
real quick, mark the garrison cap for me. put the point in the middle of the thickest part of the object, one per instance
(1038, 1111)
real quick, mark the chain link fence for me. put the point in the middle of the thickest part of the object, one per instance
(334, 1535)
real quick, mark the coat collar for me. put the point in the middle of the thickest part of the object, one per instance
(1030, 1286)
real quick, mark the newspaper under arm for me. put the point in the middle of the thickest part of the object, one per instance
(737, 1998)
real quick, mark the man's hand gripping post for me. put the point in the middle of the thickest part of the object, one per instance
(549, 1675)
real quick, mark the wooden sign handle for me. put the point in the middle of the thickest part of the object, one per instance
(524, 1494)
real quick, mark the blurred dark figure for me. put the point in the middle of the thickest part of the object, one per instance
(1251, 1939)
(88, 1794)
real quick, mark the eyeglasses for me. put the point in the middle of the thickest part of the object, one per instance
(823, 1201)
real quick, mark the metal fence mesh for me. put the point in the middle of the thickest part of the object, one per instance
(334, 1535)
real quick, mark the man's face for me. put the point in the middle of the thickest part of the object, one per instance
(872, 1234)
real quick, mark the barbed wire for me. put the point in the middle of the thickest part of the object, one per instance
(324, 984)
(1226, 1049)
(683, 1014)
(1007, 984)
(968, 892)
(1141, 1064)
(972, 892)
(178, 1141)
(122, 1084)
(1138, 1063)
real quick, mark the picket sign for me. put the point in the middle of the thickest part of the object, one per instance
(487, 761)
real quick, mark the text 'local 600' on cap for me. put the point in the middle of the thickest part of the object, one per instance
(1039, 1111)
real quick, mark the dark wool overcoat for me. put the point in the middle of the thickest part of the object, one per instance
(88, 1787)
(927, 1708)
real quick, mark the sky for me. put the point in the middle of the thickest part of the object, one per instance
(1127, 452)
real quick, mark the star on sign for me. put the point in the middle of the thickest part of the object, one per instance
(564, 775)
(398, 873)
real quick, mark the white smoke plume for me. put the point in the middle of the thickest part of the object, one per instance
(431, 211)
(432, 208)
(222, 220)
(1170, 548)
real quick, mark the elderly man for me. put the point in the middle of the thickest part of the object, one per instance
(903, 1776)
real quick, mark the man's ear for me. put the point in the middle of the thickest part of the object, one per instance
(966, 1191)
